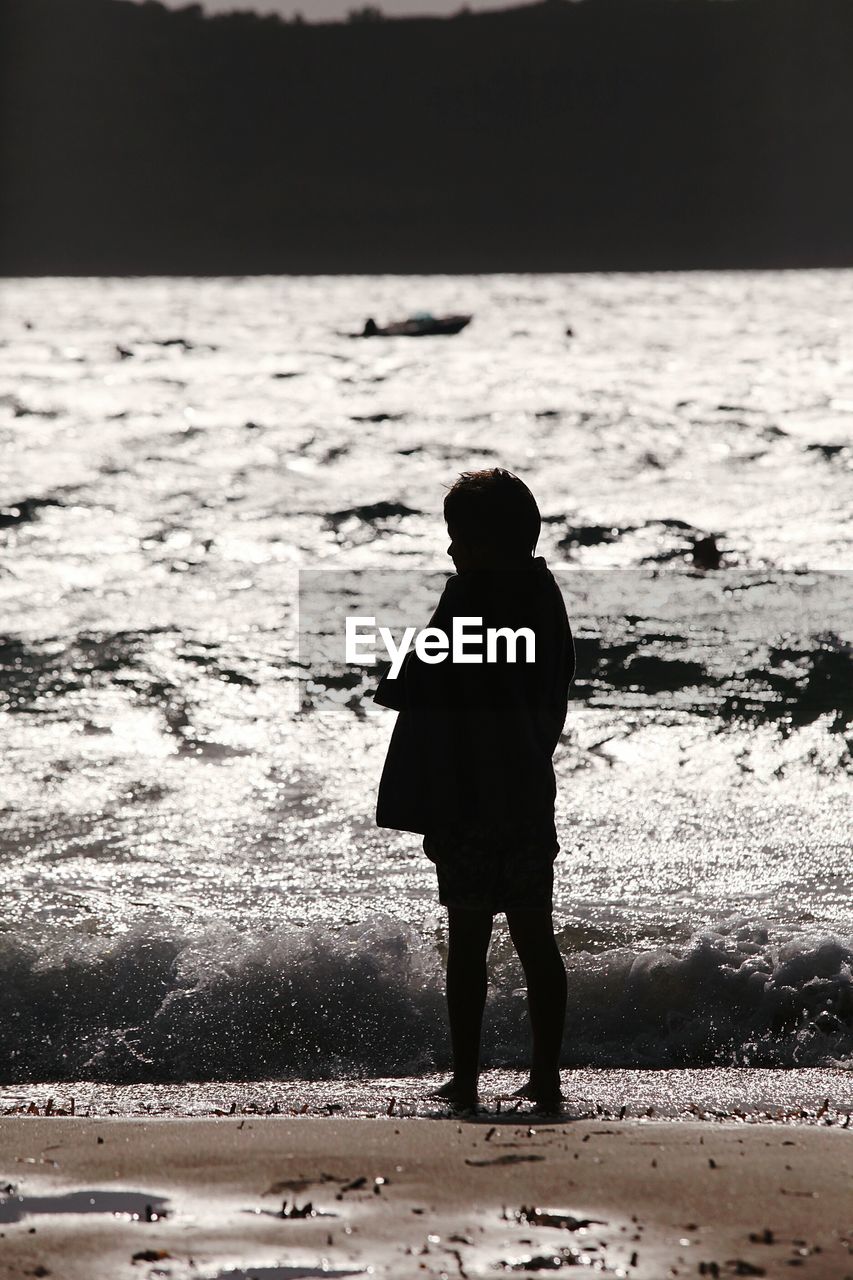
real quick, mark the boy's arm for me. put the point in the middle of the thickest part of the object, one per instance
(554, 715)
(389, 693)
(416, 680)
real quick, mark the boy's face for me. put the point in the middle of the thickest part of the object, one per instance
(461, 553)
(467, 554)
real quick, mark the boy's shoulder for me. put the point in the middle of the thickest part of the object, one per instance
(533, 591)
(530, 582)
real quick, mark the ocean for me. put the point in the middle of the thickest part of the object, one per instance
(195, 894)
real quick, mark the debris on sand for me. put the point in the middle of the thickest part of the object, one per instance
(570, 1257)
(554, 1218)
(509, 1158)
(295, 1211)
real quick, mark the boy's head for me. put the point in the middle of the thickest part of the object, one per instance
(492, 519)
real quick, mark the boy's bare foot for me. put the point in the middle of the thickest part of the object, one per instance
(547, 1095)
(460, 1097)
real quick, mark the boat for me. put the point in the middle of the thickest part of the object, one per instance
(420, 325)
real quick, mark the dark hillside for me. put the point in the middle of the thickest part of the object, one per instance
(605, 134)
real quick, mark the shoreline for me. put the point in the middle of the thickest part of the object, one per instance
(809, 1095)
(254, 1197)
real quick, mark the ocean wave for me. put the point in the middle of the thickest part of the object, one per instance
(155, 1005)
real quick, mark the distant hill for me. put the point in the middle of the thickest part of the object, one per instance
(606, 134)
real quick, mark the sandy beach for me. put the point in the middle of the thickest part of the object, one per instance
(283, 1197)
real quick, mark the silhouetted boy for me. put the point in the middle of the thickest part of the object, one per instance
(469, 767)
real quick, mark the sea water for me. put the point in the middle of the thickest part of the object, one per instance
(193, 884)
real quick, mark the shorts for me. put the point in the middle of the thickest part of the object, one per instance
(494, 871)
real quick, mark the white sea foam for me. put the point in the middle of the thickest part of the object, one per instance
(153, 1005)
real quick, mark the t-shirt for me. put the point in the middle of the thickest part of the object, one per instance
(474, 742)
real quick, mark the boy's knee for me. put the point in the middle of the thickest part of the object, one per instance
(469, 928)
(532, 923)
(532, 932)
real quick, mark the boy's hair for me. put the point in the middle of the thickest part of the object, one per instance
(493, 506)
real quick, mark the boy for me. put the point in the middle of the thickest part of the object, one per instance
(469, 767)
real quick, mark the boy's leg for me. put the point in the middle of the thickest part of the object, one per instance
(532, 933)
(470, 932)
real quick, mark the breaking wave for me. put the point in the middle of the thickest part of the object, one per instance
(157, 1006)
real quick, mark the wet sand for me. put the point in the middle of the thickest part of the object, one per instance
(269, 1198)
(808, 1095)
